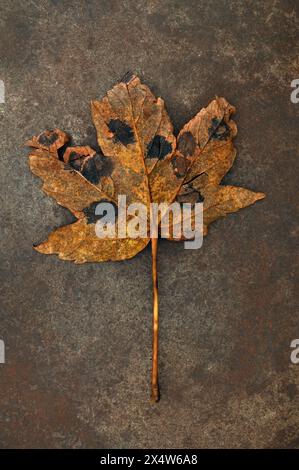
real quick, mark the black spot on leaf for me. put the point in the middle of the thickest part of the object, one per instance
(158, 147)
(48, 138)
(90, 214)
(219, 130)
(89, 171)
(96, 167)
(186, 144)
(123, 133)
(92, 168)
(214, 124)
(179, 165)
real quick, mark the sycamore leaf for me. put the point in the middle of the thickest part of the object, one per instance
(139, 157)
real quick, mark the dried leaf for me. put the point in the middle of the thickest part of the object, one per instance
(139, 157)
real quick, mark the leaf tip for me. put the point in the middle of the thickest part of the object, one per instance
(41, 248)
(259, 196)
(128, 77)
(50, 140)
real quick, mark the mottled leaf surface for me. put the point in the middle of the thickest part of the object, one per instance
(138, 156)
(79, 181)
(207, 140)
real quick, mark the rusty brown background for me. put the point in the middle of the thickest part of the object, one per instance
(78, 338)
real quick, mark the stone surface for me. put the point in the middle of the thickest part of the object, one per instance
(78, 338)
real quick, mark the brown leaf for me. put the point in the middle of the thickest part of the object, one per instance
(141, 159)
(138, 157)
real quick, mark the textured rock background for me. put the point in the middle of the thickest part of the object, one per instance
(78, 338)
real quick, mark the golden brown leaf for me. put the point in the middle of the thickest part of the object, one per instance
(138, 157)
(142, 160)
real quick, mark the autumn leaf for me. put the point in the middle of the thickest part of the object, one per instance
(140, 158)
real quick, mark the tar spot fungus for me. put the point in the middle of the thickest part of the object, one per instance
(96, 167)
(92, 167)
(89, 171)
(179, 165)
(158, 147)
(48, 138)
(123, 133)
(90, 214)
(186, 144)
(219, 130)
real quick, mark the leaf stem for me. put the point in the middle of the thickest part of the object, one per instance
(155, 393)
